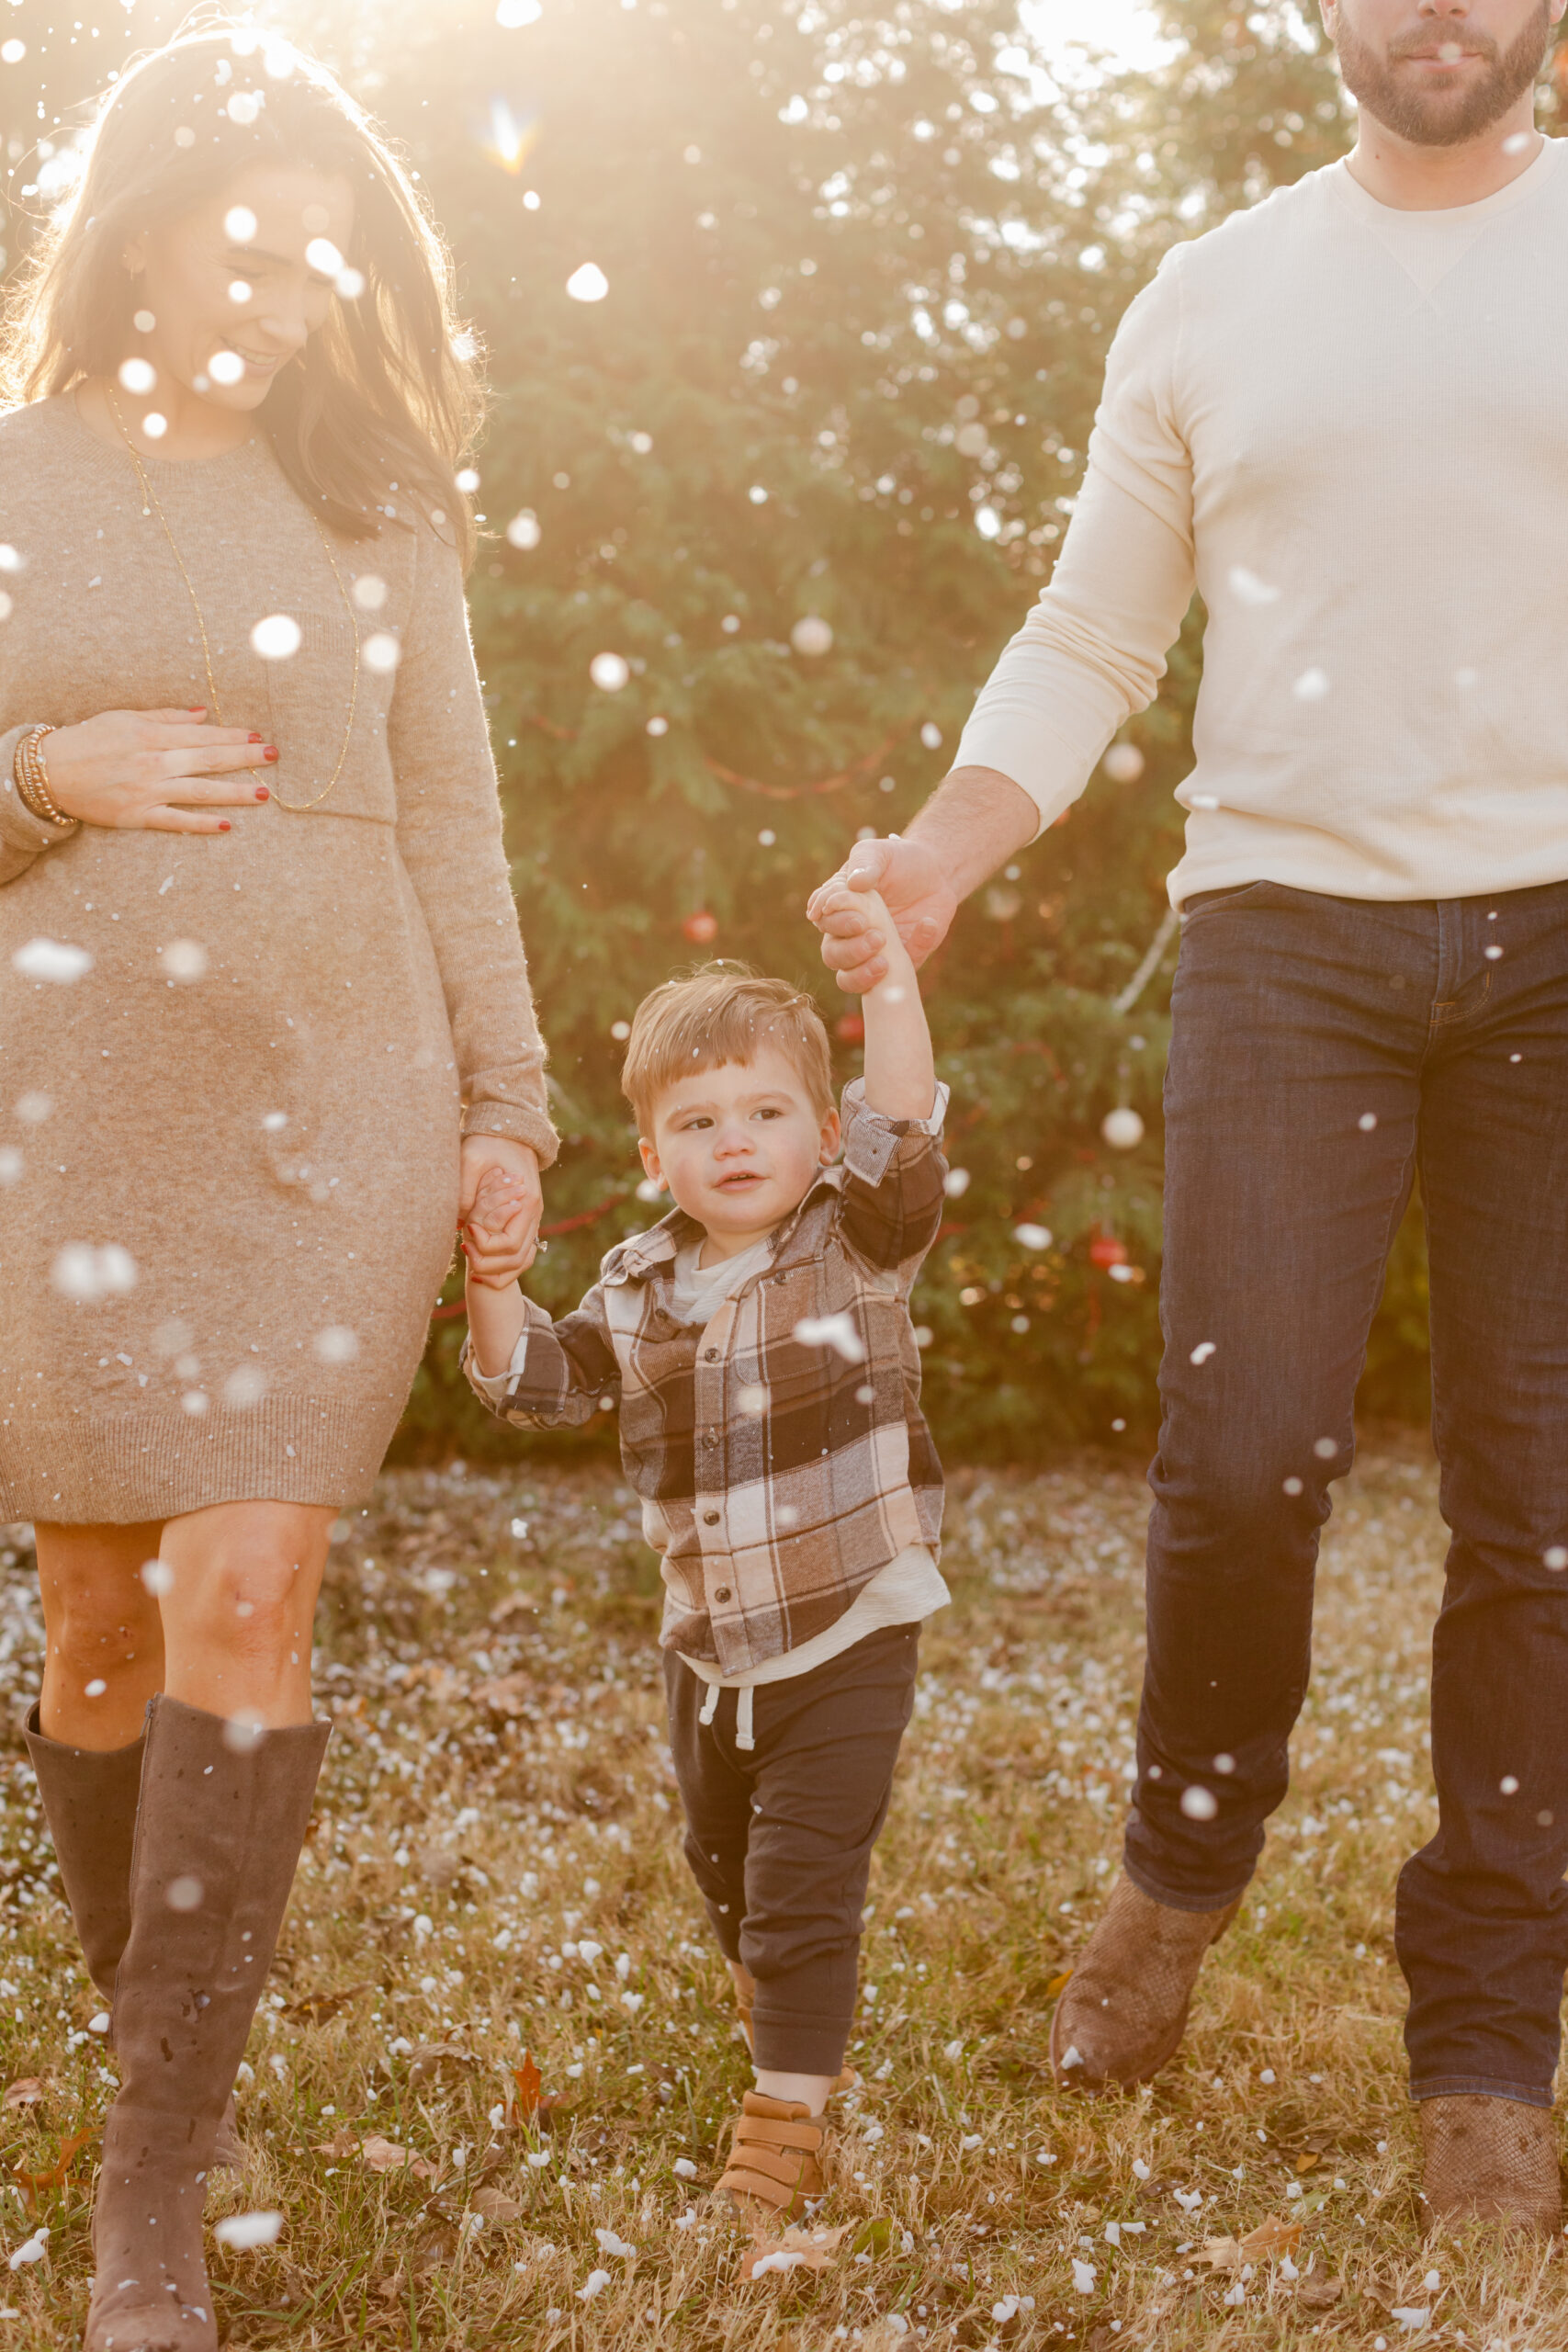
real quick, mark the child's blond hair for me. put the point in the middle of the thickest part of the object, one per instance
(722, 1013)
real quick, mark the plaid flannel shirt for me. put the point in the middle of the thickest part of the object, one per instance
(779, 1449)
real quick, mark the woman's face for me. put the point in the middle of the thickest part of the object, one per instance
(236, 286)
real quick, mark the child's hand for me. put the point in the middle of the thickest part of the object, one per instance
(490, 1241)
(836, 895)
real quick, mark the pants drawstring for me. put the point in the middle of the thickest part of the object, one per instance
(710, 1705)
(743, 1728)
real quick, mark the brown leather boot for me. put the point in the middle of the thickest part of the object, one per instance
(1489, 2160)
(1123, 2010)
(89, 1801)
(776, 2156)
(218, 1837)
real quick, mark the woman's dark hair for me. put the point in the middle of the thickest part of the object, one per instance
(385, 390)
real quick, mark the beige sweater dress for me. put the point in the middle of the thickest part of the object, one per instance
(229, 1146)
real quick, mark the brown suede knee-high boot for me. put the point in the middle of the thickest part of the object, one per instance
(89, 1801)
(218, 1837)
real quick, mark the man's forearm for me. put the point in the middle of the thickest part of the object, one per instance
(974, 822)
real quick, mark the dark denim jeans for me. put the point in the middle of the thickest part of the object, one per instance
(1324, 1050)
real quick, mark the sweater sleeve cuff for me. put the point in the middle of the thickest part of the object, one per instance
(511, 1119)
(24, 836)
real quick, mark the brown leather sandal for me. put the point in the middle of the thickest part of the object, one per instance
(775, 2154)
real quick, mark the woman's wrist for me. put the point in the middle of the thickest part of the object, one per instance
(30, 776)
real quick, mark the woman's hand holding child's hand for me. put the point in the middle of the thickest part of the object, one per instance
(490, 1236)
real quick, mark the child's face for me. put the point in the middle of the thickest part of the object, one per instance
(740, 1146)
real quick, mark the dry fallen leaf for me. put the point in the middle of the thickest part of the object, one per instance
(33, 2183)
(1057, 1985)
(803, 2250)
(29, 2091)
(385, 2155)
(1223, 2254)
(315, 2008)
(1305, 2162)
(527, 2081)
(1274, 2236)
(507, 1695)
(433, 2059)
(341, 2145)
(1320, 2294)
(496, 2206)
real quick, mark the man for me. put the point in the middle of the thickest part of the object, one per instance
(1342, 418)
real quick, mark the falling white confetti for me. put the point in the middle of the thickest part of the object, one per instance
(369, 592)
(1367, 1122)
(514, 14)
(1311, 686)
(812, 635)
(246, 2230)
(1411, 2317)
(226, 367)
(349, 284)
(835, 1331)
(276, 637)
(588, 284)
(138, 376)
(1202, 1351)
(1557, 1557)
(158, 1578)
(243, 1735)
(594, 2284)
(1198, 1805)
(185, 959)
(323, 256)
(243, 108)
(608, 2243)
(50, 959)
(11, 1164)
(83, 1273)
(955, 1183)
(337, 1344)
(1084, 2276)
(31, 2249)
(609, 672)
(239, 227)
(246, 1384)
(523, 531)
(383, 652)
(786, 2258)
(95, 1689)
(930, 736)
(1123, 763)
(184, 1894)
(1248, 586)
(1033, 1237)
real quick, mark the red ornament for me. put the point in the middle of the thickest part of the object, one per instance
(701, 927)
(851, 1028)
(1106, 1250)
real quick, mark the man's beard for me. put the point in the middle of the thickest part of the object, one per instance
(1433, 118)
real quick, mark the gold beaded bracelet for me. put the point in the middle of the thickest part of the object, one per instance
(32, 779)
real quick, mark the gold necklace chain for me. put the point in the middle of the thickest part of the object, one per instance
(154, 505)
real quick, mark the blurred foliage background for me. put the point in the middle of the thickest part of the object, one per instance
(757, 519)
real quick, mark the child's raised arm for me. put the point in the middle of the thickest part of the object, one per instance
(901, 1073)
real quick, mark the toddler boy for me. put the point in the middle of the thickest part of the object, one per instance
(758, 1342)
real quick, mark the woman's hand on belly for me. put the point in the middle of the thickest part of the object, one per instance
(153, 771)
(498, 1258)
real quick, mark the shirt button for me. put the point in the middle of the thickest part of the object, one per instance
(710, 1518)
(710, 1355)
(723, 1593)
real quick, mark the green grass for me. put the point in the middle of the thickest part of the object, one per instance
(457, 1851)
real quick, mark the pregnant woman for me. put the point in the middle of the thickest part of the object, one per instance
(264, 1021)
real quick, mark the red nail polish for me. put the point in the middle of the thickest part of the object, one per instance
(253, 736)
(196, 708)
(262, 792)
(270, 753)
(225, 827)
